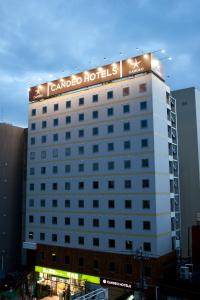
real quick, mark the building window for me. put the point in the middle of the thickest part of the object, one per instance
(146, 225)
(128, 224)
(68, 119)
(81, 150)
(95, 184)
(31, 219)
(67, 203)
(81, 117)
(95, 148)
(111, 243)
(110, 146)
(55, 137)
(95, 222)
(33, 141)
(54, 203)
(128, 269)
(95, 131)
(30, 235)
(42, 186)
(31, 186)
(143, 124)
(95, 98)
(81, 167)
(81, 222)
(110, 128)
(81, 240)
(67, 260)
(33, 112)
(44, 109)
(42, 203)
(126, 91)
(95, 203)
(110, 95)
(67, 239)
(95, 166)
(111, 223)
(128, 204)
(111, 266)
(81, 261)
(33, 126)
(81, 101)
(67, 151)
(143, 105)
(142, 87)
(54, 220)
(110, 111)
(127, 184)
(111, 203)
(111, 184)
(81, 203)
(32, 155)
(42, 236)
(81, 185)
(126, 126)
(146, 204)
(111, 165)
(54, 186)
(95, 114)
(55, 122)
(43, 139)
(54, 237)
(127, 164)
(67, 221)
(44, 124)
(145, 183)
(67, 186)
(68, 104)
(55, 153)
(144, 143)
(127, 145)
(81, 133)
(55, 169)
(31, 202)
(95, 263)
(129, 245)
(43, 170)
(145, 163)
(42, 219)
(96, 242)
(67, 135)
(146, 246)
(126, 108)
(32, 171)
(55, 107)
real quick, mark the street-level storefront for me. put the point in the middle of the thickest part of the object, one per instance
(63, 283)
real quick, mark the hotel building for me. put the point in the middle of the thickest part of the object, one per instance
(102, 174)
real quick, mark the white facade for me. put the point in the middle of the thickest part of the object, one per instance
(98, 171)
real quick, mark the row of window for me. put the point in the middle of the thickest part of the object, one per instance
(81, 118)
(128, 204)
(128, 224)
(95, 99)
(95, 241)
(95, 166)
(81, 132)
(111, 184)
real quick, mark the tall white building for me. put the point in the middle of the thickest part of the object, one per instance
(102, 177)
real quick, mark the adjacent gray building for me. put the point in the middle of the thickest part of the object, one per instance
(188, 120)
(12, 155)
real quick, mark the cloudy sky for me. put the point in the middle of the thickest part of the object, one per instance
(48, 39)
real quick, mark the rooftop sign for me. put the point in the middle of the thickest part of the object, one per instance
(123, 68)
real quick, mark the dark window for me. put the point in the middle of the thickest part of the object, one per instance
(81, 167)
(31, 186)
(67, 168)
(146, 225)
(56, 107)
(145, 183)
(95, 166)
(142, 87)
(129, 245)
(54, 220)
(145, 163)
(67, 186)
(81, 117)
(81, 185)
(125, 91)
(67, 203)
(81, 221)
(55, 137)
(68, 119)
(81, 240)
(42, 236)
(111, 223)
(126, 126)
(67, 135)
(143, 105)
(67, 238)
(127, 164)
(43, 139)
(54, 237)
(33, 126)
(43, 170)
(81, 133)
(54, 186)
(128, 224)
(110, 128)
(67, 221)
(33, 112)
(110, 95)
(95, 98)
(111, 243)
(55, 122)
(81, 150)
(95, 148)
(146, 246)
(95, 131)
(111, 184)
(42, 186)
(55, 169)
(42, 203)
(31, 219)
(96, 222)
(127, 184)
(96, 242)
(143, 124)
(81, 261)
(55, 153)
(110, 111)
(32, 140)
(128, 203)
(67, 260)
(126, 108)
(95, 114)
(111, 203)
(81, 203)
(42, 219)
(127, 145)
(30, 235)
(146, 204)
(44, 109)
(111, 165)
(43, 154)
(81, 101)
(144, 143)
(54, 203)
(44, 124)
(95, 184)
(111, 266)
(110, 146)
(95, 203)
(67, 151)
(68, 104)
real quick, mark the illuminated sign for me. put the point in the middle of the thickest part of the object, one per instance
(124, 68)
(116, 283)
(66, 274)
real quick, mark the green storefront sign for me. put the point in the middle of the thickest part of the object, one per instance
(66, 274)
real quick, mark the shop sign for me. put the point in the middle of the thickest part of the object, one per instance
(66, 274)
(116, 283)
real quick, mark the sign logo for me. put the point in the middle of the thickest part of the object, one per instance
(116, 283)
